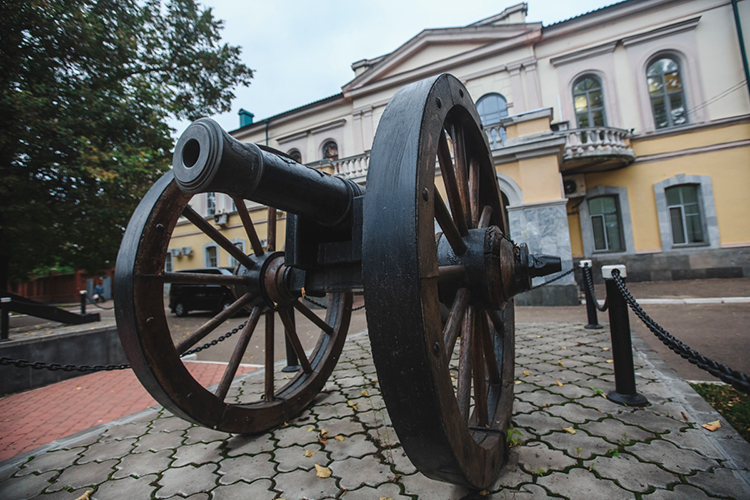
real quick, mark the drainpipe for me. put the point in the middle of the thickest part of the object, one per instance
(737, 24)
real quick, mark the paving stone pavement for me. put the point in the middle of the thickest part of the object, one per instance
(613, 452)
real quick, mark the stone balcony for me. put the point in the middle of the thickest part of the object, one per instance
(596, 149)
(351, 167)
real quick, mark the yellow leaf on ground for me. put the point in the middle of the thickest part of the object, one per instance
(563, 348)
(518, 382)
(605, 348)
(322, 471)
(85, 496)
(363, 393)
(310, 429)
(353, 405)
(569, 430)
(526, 372)
(559, 383)
(323, 433)
(712, 426)
(610, 361)
(309, 453)
(339, 438)
(561, 363)
(386, 498)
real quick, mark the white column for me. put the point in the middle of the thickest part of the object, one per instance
(532, 82)
(519, 103)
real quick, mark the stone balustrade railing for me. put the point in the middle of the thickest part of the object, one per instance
(596, 141)
(351, 167)
(495, 135)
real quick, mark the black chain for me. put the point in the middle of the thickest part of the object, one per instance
(553, 279)
(589, 283)
(38, 365)
(325, 307)
(736, 379)
(97, 305)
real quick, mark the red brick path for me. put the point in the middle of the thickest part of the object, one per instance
(37, 417)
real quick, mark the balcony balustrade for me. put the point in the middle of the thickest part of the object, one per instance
(596, 149)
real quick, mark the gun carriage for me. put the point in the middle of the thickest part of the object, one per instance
(427, 244)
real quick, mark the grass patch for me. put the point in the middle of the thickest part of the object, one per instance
(733, 405)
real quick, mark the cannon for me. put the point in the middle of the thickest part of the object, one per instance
(427, 244)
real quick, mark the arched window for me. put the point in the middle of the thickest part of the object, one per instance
(666, 92)
(331, 150)
(588, 100)
(295, 155)
(492, 108)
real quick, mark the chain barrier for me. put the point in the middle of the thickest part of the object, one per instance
(588, 282)
(736, 379)
(322, 306)
(92, 302)
(569, 271)
(38, 365)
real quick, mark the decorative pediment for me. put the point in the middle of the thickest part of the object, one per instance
(434, 50)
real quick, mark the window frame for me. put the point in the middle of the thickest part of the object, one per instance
(665, 94)
(232, 261)
(486, 97)
(210, 204)
(206, 262)
(603, 216)
(598, 80)
(706, 205)
(323, 150)
(625, 221)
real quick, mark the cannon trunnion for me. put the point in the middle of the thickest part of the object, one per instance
(428, 244)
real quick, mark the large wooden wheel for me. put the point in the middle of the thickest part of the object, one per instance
(258, 283)
(450, 399)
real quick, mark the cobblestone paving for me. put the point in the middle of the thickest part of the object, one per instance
(571, 442)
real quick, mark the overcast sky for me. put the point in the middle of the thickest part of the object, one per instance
(302, 51)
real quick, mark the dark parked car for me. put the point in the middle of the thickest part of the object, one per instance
(186, 297)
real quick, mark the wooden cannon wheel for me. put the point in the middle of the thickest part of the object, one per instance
(155, 356)
(450, 406)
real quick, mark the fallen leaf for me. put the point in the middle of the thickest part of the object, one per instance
(518, 382)
(610, 361)
(569, 430)
(484, 493)
(322, 441)
(322, 471)
(712, 426)
(309, 453)
(363, 393)
(386, 498)
(605, 348)
(563, 348)
(527, 372)
(310, 429)
(339, 438)
(561, 363)
(353, 405)
(85, 496)
(323, 433)
(684, 417)
(538, 336)
(559, 383)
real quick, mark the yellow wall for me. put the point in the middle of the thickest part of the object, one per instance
(700, 138)
(540, 179)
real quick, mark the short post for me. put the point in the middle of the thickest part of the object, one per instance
(292, 363)
(4, 318)
(83, 302)
(622, 348)
(593, 319)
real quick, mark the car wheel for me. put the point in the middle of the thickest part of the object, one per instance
(180, 310)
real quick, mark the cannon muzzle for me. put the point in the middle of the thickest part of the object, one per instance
(207, 159)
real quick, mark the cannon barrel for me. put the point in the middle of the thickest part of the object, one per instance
(207, 159)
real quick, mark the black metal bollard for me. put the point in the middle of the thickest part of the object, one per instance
(4, 318)
(292, 363)
(622, 348)
(83, 302)
(593, 319)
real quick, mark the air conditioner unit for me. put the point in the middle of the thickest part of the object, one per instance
(187, 251)
(175, 252)
(221, 219)
(574, 186)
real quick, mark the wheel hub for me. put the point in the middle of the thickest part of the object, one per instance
(267, 280)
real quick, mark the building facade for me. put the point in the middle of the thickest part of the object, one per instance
(621, 135)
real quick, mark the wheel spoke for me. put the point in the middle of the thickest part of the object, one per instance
(452, 326)
(451, 273)
(291, 334)
(239, 351)
(489, 350)
(464, 363)
(307, 313)
(448, 226)
(249, 227)
(480, 384)
(459, 160)
(269, 391)
(208, 279)
(484, 220)
(215, 235)
(474, 191)
(213, 323)
(451, 186)
(271, 232)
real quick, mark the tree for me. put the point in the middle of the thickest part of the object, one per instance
(86, 88)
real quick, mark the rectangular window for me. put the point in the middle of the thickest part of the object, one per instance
(241, 246)
(605, 222)
(168, 263)
(212, 257)
(210, 204)
(685, 214)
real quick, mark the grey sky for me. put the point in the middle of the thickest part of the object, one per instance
(302, 51)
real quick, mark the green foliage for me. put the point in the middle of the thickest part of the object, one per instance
(86, 87)
(514, 437)
(733, 405)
